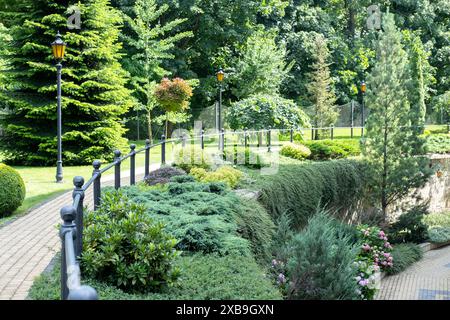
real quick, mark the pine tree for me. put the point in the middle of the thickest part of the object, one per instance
(150, 44)
(93, 83)
(389, 132)
(321, 95)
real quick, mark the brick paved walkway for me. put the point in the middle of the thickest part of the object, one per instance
(28, 244)
(428, 279)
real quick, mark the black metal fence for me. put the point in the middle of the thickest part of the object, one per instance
(71, 231)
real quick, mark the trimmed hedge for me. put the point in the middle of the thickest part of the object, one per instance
(299, 189)
(12, 190)
(295, 151)
(333, 149)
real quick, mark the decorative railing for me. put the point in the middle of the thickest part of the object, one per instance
(71, 231)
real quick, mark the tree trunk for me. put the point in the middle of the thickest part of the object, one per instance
(384, 195)
(149, 125)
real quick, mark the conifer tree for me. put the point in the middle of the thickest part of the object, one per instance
(323, 112)
(389, 132)
(94, 96)
(150, 44)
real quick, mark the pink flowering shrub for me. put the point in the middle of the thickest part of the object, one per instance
(375, 255)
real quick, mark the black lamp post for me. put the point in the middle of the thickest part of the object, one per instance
(220, 75)
(363, 93)
(59, 48)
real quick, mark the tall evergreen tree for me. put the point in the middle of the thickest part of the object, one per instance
(321, 96)
(151, 44)
(93, 87)
(389, 130)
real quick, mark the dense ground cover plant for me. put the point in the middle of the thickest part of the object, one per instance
(298, 189)
(203, 277)
(12, 190)
(225, 174)
(333, 149)
(410, 226)
(295, 151)
(438, 143)
(205, 217)
(438, 225)
(404, 255)
(374, 255)
(125, 247)
(162, 175)
(320, 246)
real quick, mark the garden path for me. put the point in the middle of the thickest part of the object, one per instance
(427, 279)
(29, 243)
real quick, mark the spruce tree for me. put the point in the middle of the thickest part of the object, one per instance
(389, 133)
(93, 83)
(321, 96)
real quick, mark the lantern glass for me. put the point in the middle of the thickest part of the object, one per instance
(58, 48)
(363, 87)
(220, 75)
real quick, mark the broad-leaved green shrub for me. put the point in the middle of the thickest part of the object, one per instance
(126, 247)
(410, 226)
(12, 190)
(295, 151)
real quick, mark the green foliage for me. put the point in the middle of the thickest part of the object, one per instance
(206, 217)
(245, 157)
(173, 95)
(264, 111)
(389, 132)
(323, 112)
(94, 96)
(333, 149)
(295, 151)
(162, 175)
(317, 248)
(12, 190)
(225, 174)
(191, 157)
(438, 227)
(297, 190)
(404, 255)
(260, 67)
(125, 247)
(438, 143)
(203, 277)
(410, 226)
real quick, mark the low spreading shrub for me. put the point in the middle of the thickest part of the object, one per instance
(206, 217)
(299, 189)
(438, 225)
(333, 149)
(191, 157)
(125, 247)
(12, 190)
(202, 277)
(410, 226)
(322, 263)
(295, 151)
(404, 255)
(438, 143)
(225, 174)
(162, 175)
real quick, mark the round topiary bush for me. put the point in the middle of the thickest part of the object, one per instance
(12, 190)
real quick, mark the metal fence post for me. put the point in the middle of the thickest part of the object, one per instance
(291, 139)
(351, 130)
(183, 140)
(312, 133)
(269, 139)
(245, 139)
(132, 165)
(97, 184)
(332, 131)
(117, 169)
(147, 158)
(222, 139)
(78, 183)
(68, 214)
(448, 127)
(163, 150)
(202, 139)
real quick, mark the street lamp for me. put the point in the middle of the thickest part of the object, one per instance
(220, 75)
(363, 93)
(59, 49)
